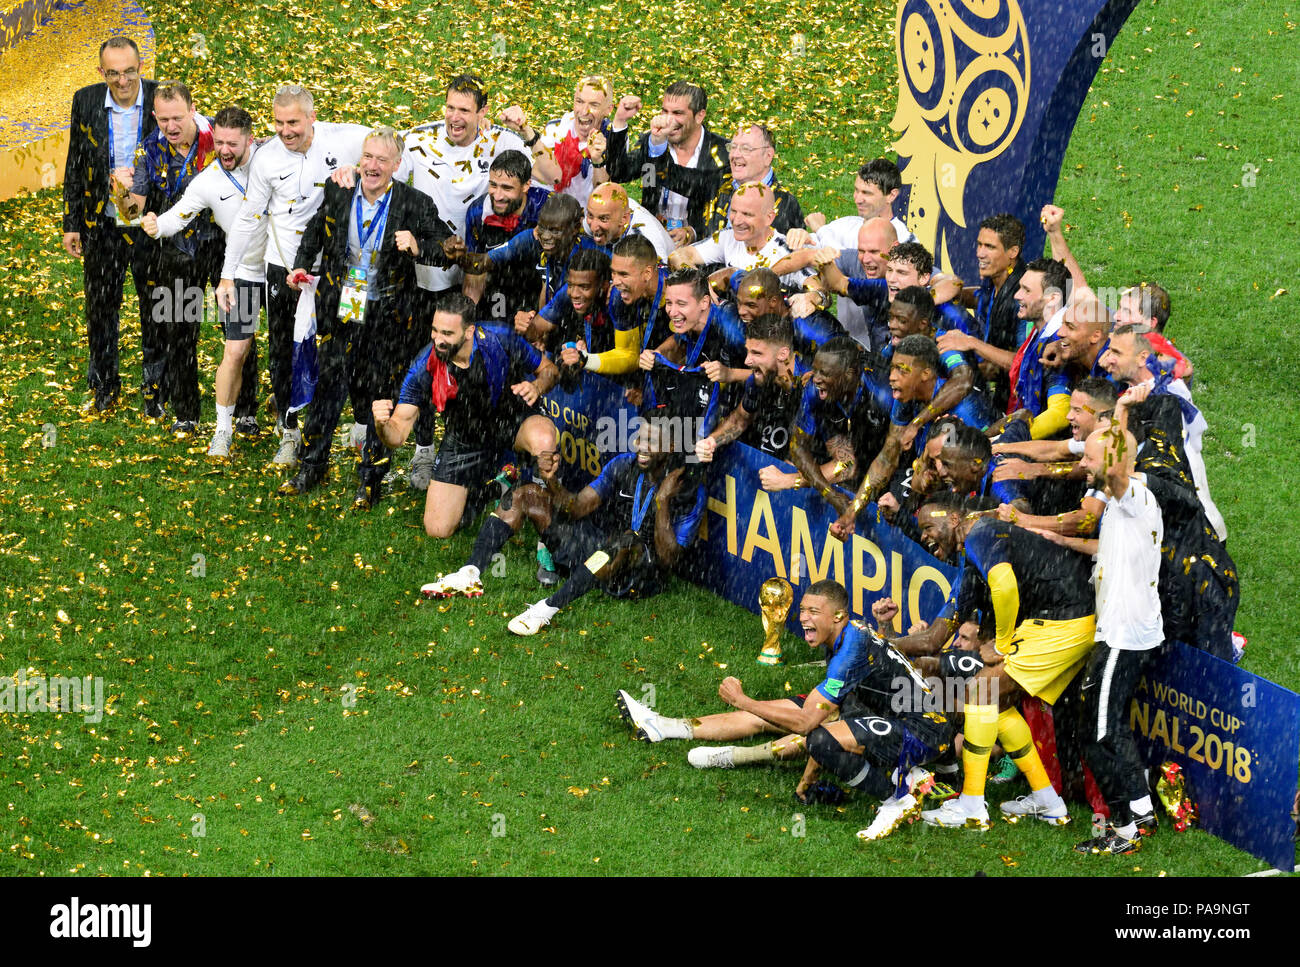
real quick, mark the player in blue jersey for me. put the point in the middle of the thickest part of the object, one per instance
(863, 671)
(686, 374)
(771, 396)
(916, 387)
(509, 207)
(652, 514)
(486, 384)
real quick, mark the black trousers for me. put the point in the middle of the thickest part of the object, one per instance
(416, 334)
(358, 361)
(107, 253)
(1109, 680)
(281, 308)
(178, 305)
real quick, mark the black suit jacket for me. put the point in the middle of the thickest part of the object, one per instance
(626, 165)
(85, 177)
(392, 280)
(720, 186)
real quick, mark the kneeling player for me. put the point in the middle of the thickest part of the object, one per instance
(487, 385)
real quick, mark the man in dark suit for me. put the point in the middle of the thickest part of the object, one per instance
(690, 144)
(109, 121)
(369, 239)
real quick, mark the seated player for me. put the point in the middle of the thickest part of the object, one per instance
(653, 515)
(486, 384)
(702, 354)
(771, 396)
(751, 241)
(862, 674)
(917, 387)
(1042, 602)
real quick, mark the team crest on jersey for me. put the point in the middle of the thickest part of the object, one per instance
(331, 162)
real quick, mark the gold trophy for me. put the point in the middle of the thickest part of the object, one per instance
(774, 600)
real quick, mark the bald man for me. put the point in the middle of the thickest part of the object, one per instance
(612, 216)
(751, 242)
(858, 275)
(1085, 331)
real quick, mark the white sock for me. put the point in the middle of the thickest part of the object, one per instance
(225, 418)
(972, 804)
(542, 608)
(1141, 806)
(472, 571)
(1127, 832)
(1047, 796)
(674, 728)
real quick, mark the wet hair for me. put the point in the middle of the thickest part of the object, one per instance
(882, 173)
(591, 260)
(1099, 390)
(914, 254)
(637, 248)
(917, 296)
(294, 94)
(771, 327)
(921, 348)
(235, 117)
(695, 278)
(1055, 276)
(844, 350)
(173, 91)
(119, 43)
(458, 304)
(514, 163)
(765, 280)
(1010, 230)
(564, 207)
(832, 591)
(1153, 303)
(969, 441)
(1139, 333)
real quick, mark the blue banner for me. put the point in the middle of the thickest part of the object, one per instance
(1237, 738)
(750, 535)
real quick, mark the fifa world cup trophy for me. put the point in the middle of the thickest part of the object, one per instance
(774, 600)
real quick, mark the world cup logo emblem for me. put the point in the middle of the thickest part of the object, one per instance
(963, 69)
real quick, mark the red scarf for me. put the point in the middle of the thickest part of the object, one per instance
(508, 222)
(570, 160)
(444, 384)
(207, 149)
(1013, 403)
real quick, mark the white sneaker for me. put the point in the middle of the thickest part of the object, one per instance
(893, 812)
(1017, 809)
(711, 757)
(357, 436)
(953, 815)
(465, 581)
(287, 455)
(533, 619)
(220, 445)
(420, 472)
(638, 716)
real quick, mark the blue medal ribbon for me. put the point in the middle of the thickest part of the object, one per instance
(381, 215)
(639, 506)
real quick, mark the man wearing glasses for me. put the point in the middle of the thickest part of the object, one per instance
(109, 121)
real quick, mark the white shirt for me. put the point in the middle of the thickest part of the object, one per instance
(1127, 569)
(125, 122)
(453, 176)
(211, 190)
(843, 232)
(289, 186)
(723, 247)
